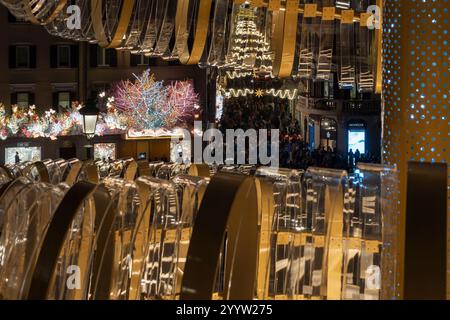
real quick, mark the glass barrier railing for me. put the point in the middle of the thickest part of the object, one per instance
(319, 234)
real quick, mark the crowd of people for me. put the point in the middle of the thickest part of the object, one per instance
(296, 154)
(256, 113)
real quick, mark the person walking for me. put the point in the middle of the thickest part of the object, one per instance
(17, 157)
(351, 159)
(357, 156)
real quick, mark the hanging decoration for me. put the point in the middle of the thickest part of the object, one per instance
(270, 38)
(259, 93)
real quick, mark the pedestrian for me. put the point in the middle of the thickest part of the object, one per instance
(357, 156)
(17, 157)
(351, 159)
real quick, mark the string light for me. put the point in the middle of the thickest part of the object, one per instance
(283, 94)
(236, 74)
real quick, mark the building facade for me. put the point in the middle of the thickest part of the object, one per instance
(340, 119)
(48, 71)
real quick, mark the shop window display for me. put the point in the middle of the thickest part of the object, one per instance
(105, 151)
(25, 154)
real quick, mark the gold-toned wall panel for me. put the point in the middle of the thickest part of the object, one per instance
(156, 149)
(415, 87)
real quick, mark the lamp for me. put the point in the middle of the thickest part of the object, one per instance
(90, 114)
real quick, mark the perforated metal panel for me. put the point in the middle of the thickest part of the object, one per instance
(416, 87)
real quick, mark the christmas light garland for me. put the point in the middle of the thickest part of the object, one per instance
(283, 94)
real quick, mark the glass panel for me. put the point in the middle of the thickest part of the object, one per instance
(138, 26)
(371, 235)
(309, 46)
(28, 208)
(167, 18)
(327, 31)
(90, 122)
(366, 57)
(282, 272)
(158, 279)
(323, 246)
(357, 141)
(219, 34)
(247, 46)
(347, 73)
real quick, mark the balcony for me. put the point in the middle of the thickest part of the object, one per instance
(340, 106)
(361, 106)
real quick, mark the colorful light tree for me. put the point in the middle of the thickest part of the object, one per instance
(149, 104)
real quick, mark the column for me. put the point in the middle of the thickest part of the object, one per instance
(82, 72)
(415, 87)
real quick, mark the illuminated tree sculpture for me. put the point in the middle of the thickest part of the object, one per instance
(183, 99)
(149, 104)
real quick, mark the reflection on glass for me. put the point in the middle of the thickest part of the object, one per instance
(32, 154)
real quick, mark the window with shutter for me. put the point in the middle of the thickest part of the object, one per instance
(31, 99)
(22, 57)
(112, 53)
(33, 57)
(55, 101)
(143, 60)
(74, 56)
(73, 97)
(13, 98)
(64, 100)
(134, 60)
(64, 56)
(103, 59)
(23, 99)
(12, 57)
(53, 56)
(93, 53)
(153, 61)
(139, 60)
